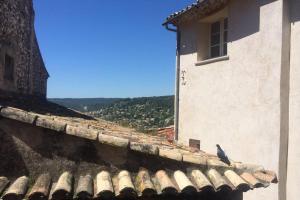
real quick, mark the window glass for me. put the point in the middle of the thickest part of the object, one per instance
(225, 23)
(225, 49)
(215, 40)
(215, 51)
(215, 28)
(225, 36)
(219, 38)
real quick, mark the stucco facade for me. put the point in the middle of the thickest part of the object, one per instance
(246, 101)
(293, 179)
(22, 69)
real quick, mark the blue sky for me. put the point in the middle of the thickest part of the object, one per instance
(105, 48)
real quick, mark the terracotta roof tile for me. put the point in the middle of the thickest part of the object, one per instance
(83, 132)
(18, 114)
(253, 182)
(126, 139)
(64, 187)
(126, 184)
(209, 172)
(104, 186)
(49, 123)
(143, 184)
(200, 180)
(17, 189)
(198, 9)
(217, 180)
(3, 183)
(85, 187)
(41, 187)
(238, 182)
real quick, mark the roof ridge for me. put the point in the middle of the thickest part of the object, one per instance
(202, 6)
(126, 184)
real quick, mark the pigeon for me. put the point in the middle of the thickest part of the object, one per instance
(221, 154)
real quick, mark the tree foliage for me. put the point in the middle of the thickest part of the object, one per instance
(143, 113)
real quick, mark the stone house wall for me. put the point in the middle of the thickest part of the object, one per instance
(18, 40)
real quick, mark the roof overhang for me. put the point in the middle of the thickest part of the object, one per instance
(198, 10)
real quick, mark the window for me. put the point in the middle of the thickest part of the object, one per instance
(225, 36)
(9, 68)
(218, 38)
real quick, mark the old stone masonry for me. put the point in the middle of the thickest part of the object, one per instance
(22, 69)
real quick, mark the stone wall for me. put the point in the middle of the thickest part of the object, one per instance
(18, 40)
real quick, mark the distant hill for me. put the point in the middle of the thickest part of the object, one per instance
(143, 113)
(83, 104)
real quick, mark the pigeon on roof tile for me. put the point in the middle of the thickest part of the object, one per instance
(221, 154)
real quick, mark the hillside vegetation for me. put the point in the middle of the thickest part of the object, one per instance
(143, 113)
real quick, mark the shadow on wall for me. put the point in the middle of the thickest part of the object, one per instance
(243, 19)
(12, 163)
(295, 14)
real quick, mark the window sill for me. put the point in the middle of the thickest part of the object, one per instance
(212, 60)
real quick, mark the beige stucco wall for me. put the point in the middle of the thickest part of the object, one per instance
(237, 102)
(293, 177)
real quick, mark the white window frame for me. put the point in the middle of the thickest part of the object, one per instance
(222, 30)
